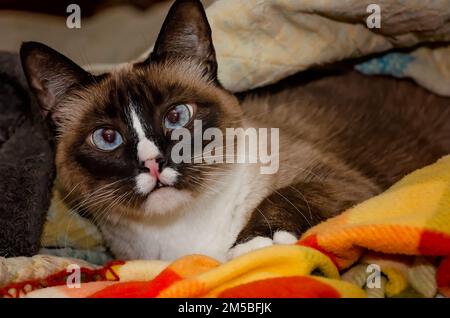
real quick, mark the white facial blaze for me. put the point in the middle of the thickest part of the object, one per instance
(146, 149)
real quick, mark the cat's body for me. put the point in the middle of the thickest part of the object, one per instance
(362, 142)
(342, 139)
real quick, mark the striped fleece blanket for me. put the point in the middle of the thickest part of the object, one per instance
(396, 244)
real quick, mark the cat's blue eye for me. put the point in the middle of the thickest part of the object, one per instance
(106, 139)
(178, 116)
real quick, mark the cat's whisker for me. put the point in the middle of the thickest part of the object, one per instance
(64, 199)
(199, 167)
(110, 197)
(267, 221)
(106, 213)
(126, 201)
(212, 180)
(98, 196)
(91, 196)
(216, 174)
(72, 215)
(294, 206)
(103, 188)
(199, 183)
(224, 156)
(305, 200)
(100, 209)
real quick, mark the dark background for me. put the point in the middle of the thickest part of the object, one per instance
(58, 7)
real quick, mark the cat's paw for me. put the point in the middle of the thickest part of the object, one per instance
(254, 244)
(279, 238)
(284, 237)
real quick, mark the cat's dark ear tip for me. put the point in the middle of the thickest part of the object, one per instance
(27, 49)
(197, 4)
(30, 46)
(191, 1)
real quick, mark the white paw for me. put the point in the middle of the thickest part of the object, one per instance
(284, 237)
(254, 244)
(279, 238)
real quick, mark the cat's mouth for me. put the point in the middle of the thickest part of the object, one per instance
(154, 180)
(159, 185)
(160, 194)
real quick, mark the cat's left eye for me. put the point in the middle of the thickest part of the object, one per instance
(106, 139)
(178, 116)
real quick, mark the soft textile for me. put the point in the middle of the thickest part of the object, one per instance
(405, 232)
(261, 41)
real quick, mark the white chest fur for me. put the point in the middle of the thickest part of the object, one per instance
(210, 226)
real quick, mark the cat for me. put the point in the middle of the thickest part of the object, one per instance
(343, 138)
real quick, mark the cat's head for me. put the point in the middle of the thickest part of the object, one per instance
(113, 131)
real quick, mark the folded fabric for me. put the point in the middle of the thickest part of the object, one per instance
(281, 271)
(410, 218)
(260, 42)
(395, 244)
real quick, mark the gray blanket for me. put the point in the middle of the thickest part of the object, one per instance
(26, 164)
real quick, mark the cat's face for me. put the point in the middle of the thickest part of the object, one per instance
(113, 132)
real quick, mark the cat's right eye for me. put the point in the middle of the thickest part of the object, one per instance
(106, 139)
(178, 116)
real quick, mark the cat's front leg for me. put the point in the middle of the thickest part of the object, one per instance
(288, 212)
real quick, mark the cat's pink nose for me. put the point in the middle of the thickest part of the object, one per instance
(153, 166)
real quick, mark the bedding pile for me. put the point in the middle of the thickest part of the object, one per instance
(395, 244)
(260, 42)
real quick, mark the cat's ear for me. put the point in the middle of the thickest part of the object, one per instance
(186, 33)
(50, 74)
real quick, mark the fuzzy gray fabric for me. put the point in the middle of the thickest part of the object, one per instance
(26, 163)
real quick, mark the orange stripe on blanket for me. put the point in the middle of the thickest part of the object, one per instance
(347, 244)
(183, 268)
(283, 287)
(140, 289)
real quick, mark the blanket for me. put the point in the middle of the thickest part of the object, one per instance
(260, 42)
(26, 163)
(394, 244)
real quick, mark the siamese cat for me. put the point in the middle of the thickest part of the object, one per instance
(343, 138)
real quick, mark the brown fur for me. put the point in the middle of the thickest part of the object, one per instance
(349, 137)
